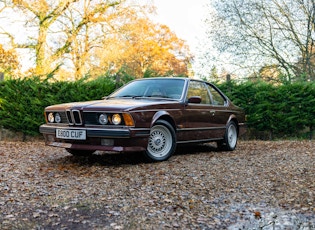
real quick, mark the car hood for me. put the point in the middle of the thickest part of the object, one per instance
(111, 104)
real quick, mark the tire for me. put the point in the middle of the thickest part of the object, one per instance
(79, 152)
(230, 137)
(162, 142)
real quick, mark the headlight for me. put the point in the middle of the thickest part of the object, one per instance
(57, 118)
(54, 117)
(51, 117)
(102, 119)
(116, 119)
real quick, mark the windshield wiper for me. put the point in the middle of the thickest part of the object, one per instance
(127, 96)
(132, 96)
(140, 96)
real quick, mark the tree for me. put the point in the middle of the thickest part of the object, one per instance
(8, 61)
(256, 33)
(96, 22)
(268, 73)
(214, 76)
(85, 37)
(53, 43)
(139, 45)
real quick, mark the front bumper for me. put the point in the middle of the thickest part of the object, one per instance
(90, 132)
(117, 140)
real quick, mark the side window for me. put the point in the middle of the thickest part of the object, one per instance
(198, 89)
(217, 98)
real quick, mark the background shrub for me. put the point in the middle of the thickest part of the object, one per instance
(275, 111)
(22, 101)
(282, 111)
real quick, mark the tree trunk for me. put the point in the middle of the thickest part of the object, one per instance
(41, 52)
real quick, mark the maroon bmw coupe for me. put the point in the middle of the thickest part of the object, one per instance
(149, 115)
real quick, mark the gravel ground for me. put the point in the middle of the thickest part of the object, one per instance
(261, 185)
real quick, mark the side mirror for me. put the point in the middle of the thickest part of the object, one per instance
(194, 100)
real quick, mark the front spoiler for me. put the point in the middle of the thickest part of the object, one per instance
(96, 147)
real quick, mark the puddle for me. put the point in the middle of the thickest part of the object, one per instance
(264, 218)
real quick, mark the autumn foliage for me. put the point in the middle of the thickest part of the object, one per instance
(76, 38)
(143, 46)
(8, 61)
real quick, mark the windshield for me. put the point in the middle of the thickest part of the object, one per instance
(161, 88)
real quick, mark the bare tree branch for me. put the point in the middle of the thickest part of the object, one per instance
(272, 32)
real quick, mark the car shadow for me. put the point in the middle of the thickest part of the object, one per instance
(106, 159)
(185, 149)
(132, 158)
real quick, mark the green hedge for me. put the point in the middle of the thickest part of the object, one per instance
(272, 111)
(22, 101)
(275, 111)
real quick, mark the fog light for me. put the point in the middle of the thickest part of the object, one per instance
(107, 142)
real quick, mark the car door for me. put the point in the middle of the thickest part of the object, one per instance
(220, 112)
(201, 119)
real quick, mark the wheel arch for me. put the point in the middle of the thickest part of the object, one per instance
(162, 139)
(234, 119)
(163, 115)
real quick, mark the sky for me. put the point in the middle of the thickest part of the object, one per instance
(184, 17)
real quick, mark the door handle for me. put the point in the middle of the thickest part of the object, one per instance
(212, 112)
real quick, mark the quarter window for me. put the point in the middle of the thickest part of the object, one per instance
(217, 98)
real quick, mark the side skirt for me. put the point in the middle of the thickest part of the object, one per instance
(199, 141)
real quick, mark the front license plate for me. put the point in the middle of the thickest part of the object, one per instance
(71, 134)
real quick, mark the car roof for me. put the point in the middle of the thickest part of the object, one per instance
(163, 78)
(170, 78)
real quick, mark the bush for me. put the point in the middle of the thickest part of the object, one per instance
(278, 111)
(272, 111)
(22, 101)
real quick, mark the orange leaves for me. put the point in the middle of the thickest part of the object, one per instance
(141, 45)
(8, 60)
(257, 215)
